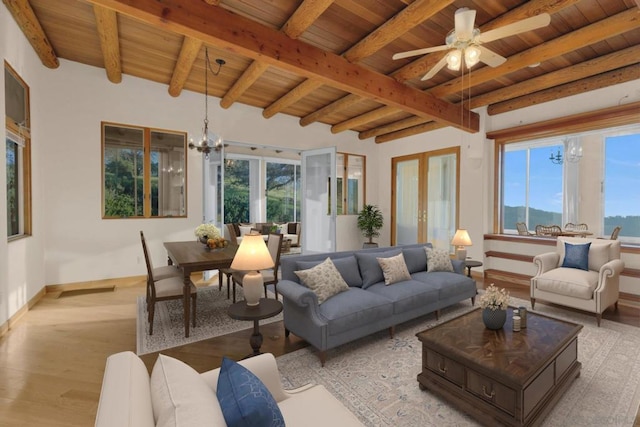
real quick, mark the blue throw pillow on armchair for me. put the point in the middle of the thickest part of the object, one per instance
(576, 256)
(244, 399)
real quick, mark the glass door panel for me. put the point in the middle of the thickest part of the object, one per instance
(406, 204)
(319, 200)
(441, 199)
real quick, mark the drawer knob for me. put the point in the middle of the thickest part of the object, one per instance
(487, 395)
(441, 368)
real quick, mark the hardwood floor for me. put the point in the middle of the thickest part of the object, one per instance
(52, 360)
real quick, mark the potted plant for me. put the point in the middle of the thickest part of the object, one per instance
(370, 222)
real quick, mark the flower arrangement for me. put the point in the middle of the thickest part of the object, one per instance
(207, 230)
(494, 299)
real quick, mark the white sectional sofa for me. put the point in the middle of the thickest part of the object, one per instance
(176, 395)
(290, 230)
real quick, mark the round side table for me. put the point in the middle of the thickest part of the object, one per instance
(469, 263)
(241, 311)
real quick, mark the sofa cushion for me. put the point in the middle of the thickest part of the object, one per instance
(571, 282)
(448, 284)
(347, 266)
(394, 269)
(353, 309)
(181, 397)
(292, 228)
(324, 280)
(576, 256)
(244, 399)
(598, 255)
(406, 295)
(370, 268)
(316, 407)
(415, 258)
(284, 228)
(244, 229)
(438, 260)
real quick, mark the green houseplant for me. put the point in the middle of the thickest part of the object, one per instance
(370, 222)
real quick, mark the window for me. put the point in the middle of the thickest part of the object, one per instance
(18, 154)
(237, 198)
(532, 190)
(143, 172)
(282, 191)
(350, 190)
(540, 185)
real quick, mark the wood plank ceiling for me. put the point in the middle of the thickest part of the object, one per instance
(329, 61)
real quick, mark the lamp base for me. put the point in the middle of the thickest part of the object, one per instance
(461, 254)
(252, 284)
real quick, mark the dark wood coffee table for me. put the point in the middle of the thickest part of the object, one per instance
(241, 311)
(501, 377)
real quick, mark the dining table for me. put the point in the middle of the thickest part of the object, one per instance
(193, 256)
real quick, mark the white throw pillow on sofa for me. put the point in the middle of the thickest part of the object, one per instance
(245, 229)
(181, 397)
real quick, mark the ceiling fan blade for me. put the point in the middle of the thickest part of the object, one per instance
(419, 51)
(464, 19)
(518, 27)
(491, 58)
(434, 70)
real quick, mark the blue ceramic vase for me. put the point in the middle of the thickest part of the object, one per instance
(494, 319)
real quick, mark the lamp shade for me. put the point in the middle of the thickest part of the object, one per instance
(252, 254)
(461, 238)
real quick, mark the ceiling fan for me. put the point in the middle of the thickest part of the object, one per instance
(465, 41)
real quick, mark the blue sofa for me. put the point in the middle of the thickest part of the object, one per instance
(369, 305)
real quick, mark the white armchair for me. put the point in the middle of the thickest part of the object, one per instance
(592, 290)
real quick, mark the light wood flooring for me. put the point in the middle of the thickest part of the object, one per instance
(52, 360)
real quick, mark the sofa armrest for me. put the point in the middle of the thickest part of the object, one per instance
(125, 398)
(545, 262)
(263, 366)
(303, 298)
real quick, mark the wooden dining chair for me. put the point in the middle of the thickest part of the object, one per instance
(270, 276)
(548, 230)
(164, 284)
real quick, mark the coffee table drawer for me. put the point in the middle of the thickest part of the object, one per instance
(491, 391)
(444, 366)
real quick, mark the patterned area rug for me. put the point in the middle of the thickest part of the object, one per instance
(375, 377)
(211, 320)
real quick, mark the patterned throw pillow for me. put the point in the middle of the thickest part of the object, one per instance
(438, 260)
(324, 280)
(576, 256)
(394, 269)
(244, 399)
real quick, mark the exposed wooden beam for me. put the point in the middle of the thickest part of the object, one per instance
(217, 26)
(188, 54)
(626, 74)
(423, 65)
(415, 130)
(304, 16)
(569, 74)
(403, 21)
(573, 73)
(370, 116)
(107, 26)
(344, 102)
(28, 22)
(298, 22)
(212, 2)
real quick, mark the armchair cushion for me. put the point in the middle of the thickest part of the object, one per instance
(244, 399)
(576, 256)
(572, 282)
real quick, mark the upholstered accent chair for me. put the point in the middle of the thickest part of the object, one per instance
(588, 282)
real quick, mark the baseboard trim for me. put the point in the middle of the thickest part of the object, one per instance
(9, 324)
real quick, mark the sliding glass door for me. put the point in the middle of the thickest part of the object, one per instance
(319, 200)
(425, 198)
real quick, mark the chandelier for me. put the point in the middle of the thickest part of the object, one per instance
(208, 142)
(572, 152)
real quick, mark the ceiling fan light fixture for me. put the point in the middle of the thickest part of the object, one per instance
(471, 55)
(454, 60)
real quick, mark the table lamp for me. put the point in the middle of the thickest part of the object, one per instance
(461, 240)
(252, 255)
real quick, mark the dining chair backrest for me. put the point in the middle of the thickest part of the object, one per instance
(548, 230)
(274, 245)
(522, 229)
(569, 226)
(147, 258)
(615, 233)
(581, 227)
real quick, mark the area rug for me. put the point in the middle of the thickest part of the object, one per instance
(375, 377)
(211, 320)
